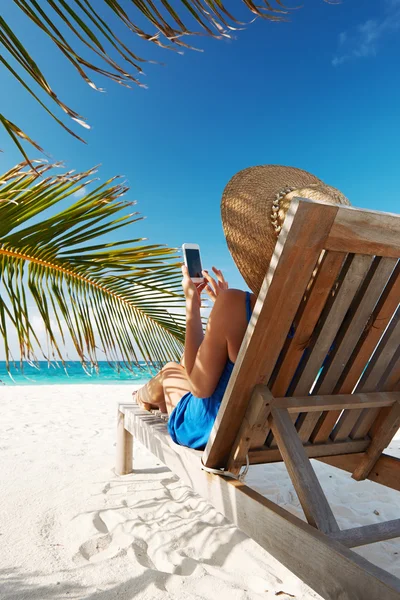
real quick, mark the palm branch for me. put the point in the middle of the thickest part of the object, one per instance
(122, 298)
(73, 25)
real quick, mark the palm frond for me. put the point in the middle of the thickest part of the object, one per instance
(71, 24)
(120, 298)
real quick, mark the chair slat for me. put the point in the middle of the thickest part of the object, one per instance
(381, 439)
(305, 321)
(307, 318)
(380, 319)
(355, 271)
(307, 424)
(391, 378)
(364, 423)
(356, 321)
(386, 470)
(371, 419)
(383, 313)
(325, 425)
(365, 232)
(345, 425)
(268, 455)
(319, 403)
(382, 357)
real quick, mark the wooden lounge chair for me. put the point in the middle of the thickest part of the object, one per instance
(330, 391)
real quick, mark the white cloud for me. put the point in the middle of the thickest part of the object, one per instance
(79, 193)
(364, 40)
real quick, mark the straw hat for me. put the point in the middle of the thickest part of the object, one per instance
(253, 208)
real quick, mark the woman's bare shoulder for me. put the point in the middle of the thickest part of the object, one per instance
(230, 301)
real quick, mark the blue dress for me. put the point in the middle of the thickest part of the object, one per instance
(192, 419)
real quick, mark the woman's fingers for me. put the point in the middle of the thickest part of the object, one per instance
(200, 286)
(210, 293)
(211, 281)
(223, 284)
(219, 274)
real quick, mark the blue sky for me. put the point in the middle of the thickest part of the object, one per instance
(320, 92)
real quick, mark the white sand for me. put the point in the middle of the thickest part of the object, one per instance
(70, 528)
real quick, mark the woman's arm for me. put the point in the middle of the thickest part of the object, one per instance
(227, 322)
(206, 355)
(194, 333)
(224, 332)
(194, 329)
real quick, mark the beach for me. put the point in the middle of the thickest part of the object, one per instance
(71, 528)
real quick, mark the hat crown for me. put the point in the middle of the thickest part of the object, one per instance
(253, 208)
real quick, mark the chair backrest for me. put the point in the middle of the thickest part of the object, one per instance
(335, 276)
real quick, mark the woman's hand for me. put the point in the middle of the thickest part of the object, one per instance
(191, 290)
(214, 287)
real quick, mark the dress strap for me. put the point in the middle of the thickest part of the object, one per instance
(248, 307)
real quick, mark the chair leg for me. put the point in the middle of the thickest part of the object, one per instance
(380, 440)
(124, 447)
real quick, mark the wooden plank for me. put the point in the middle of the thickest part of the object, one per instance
(328, 567)
(336, 313)
(356, 321)
(259, 438)
(268, 455)
(320, 403)
(386, 470)
(355, 270)
(312, 499)
(384, 353)
(382, 415)
(345, 425)
(306, 426)
(380, 441)
(391, 378)
(324, 427)
(303, 234)
(364, 423)
(379, 365)
(124, 446)
(329, 418)
(368, 534)
(365, 232)
(380, 319)
(307, 318)
(255, 422)
(271, 441)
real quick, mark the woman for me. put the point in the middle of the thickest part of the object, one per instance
(254, 206)
(191, 392)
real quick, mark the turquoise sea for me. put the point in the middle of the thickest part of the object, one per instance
(73, 373)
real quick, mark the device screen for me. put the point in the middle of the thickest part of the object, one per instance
(193, 262)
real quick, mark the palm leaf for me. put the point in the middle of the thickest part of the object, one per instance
(122, 298)
(72, 23)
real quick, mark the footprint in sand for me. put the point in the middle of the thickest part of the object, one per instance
(106, 488)
(138, 552)
(98, 542)
(92, 547)
(108, 536)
